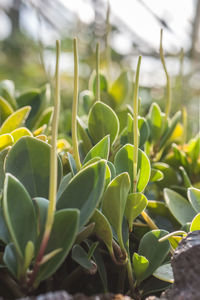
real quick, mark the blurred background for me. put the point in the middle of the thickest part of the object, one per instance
(124, 28)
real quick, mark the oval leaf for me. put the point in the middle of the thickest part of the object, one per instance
(194, 198)
(102, 121)
(29, 161)
(84, 191)
(124, 163)
(179, 206)
(153, 250)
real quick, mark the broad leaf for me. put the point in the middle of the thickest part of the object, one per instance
(80, 256)
(114, 202)
(120, 88)
(102, 121)
(19, 214)
(156, 175)
(10, 259)
(84, 191)
(37, 99)
(20, 132)
(29, 161)
(195, 225)
(64, 231)
(155, 122)
(124, 163)
(101, 149)
(5, 141)
(179, 206)
(15, 120)
(164, 273)
(194, 198)
(102, 228)
(153, 250)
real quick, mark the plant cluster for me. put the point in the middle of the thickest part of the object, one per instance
(109, 204)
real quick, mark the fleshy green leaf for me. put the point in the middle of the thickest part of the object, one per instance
(29, 162)
(37, 100)
(136, 203)
(81, 257)
(140, 265)
(179, 206)
(20, 132)
(5, 110)
(7, 91)
(19, 214)
(124, 163)
(15, 120)
(164, 273)
(194, 198)
(3, 154)
(155, 122)
(84, 191)
(102, 121)
(45, 117)
(10, 259)
(5, 141)
(120, 88)
(114, 202)
(101, 149)
(102, 228)
(156, 175)
(153, 250)
(64, 231)
(195, 225)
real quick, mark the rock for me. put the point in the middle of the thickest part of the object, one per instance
(186, 269)
(62, 295)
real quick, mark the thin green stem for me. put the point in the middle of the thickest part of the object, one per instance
(168, 99)
(75, 108)
(130, 276)
(97, 73)
(149, 221)
(53, 173)
(135, 125)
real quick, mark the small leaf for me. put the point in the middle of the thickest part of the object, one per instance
(49, 256)
(5, 141)
(5, 110)
(3, 154)
(164, 273)
(195, 225)
(81, 257)
(102, 121)
(140, 265)
(7, 91)
(156, 175)
(114, 202)
(29, 254)
(83, 134)
(135, 204)
(72, 164)
(84, 191)
(101, 149)
(179, 206)
(194, 198)
(155, 122)
(15, 120)
(170, 176)
(102, 229)
(37, 99)
(20, 132)
(167, 134)
(153, 250)
(124, 163)
(103, 83)
(120, 88)
(45, 117)
(10, 259)
(66, 219)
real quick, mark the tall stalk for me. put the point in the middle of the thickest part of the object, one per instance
(53, 172)
(135, 125)
(75, 108)
(168, 98)
(97, 73)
